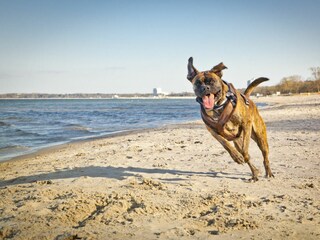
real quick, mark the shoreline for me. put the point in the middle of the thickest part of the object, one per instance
(171, 182)
(57, 146)
(92, 124)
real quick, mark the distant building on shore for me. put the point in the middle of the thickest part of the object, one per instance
(158, 92)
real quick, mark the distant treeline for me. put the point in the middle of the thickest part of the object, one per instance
(293, 85)
(290, 85)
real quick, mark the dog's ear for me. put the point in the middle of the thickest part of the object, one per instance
(218, 69)
(192, 71)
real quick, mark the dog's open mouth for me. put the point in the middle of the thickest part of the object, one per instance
(208, 101)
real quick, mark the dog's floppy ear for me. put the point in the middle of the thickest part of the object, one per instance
(218, 69)
(192, 71)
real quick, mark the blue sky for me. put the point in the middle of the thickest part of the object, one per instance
(133, 46)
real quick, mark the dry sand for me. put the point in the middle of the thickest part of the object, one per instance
(174, 182)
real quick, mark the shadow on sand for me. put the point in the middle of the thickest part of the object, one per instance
(119, 173)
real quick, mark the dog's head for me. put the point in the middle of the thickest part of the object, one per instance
(207, 85)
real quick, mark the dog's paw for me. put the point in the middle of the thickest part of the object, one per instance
(254, 179)
(238, 158)
(269, 175)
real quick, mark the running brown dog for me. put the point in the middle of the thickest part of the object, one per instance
(230, 116)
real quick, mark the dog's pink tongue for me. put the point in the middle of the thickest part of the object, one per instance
(208, 101)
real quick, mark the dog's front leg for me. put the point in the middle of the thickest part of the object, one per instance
(242, 145)
(236, 155)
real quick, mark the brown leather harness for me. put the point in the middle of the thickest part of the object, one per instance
(218, 125)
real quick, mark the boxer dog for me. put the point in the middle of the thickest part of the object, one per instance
(230, 116)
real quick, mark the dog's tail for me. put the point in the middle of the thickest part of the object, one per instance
(253, 85)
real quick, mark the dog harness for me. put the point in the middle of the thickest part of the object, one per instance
(228, 106)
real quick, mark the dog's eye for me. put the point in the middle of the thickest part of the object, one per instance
(207, 81)
(198, 82)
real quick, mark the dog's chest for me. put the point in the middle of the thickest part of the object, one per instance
(232, 125)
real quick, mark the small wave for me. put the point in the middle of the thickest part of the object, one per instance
(21, 132)
(13, 148)
(4, 124)
(76, 127)
(56, 122)
(12, 118)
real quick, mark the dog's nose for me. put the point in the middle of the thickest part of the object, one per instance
(205, 88)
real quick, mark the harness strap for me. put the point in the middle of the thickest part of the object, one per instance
(232, 95)
(218, 125)
(246, 101)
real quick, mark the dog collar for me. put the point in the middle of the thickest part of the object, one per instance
(218, 107)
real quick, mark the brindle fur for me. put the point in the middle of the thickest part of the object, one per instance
(245, 121)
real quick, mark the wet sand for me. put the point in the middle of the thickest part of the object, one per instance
(174, 182)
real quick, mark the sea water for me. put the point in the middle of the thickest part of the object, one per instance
(28, 125)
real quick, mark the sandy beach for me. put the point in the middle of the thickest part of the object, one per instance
(174, 182)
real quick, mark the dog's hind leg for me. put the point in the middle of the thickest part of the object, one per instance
(259, 135)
